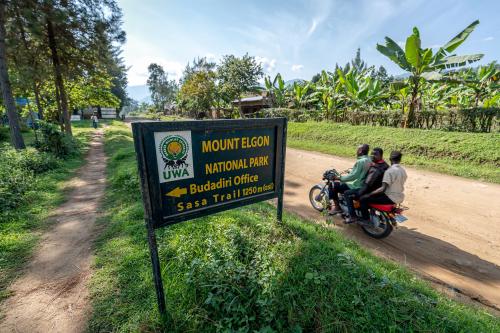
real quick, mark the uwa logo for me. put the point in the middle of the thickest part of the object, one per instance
(174, 155)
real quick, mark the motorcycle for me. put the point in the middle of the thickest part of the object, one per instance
(383, 218)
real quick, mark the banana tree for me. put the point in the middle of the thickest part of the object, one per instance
(483, 81)
(400, 91)
(276, 89)
(326, 94)
(300, 94)
(423, 64)
(360, 90)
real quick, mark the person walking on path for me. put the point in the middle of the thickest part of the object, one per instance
(95, 120)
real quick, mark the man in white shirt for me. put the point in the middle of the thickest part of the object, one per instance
(95, 120)
(392, 189)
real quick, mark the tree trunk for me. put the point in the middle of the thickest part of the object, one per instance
(410, 119)
(242, 116)
(8, 99)
(58, 78)
(36, 90)
(59, 114)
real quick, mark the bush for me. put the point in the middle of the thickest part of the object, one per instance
(17, 173)
(297, 115)
(14, 183)
(55, 141)
(465, 120)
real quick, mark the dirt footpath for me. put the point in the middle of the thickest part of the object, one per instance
(452, 236)
(52, 296)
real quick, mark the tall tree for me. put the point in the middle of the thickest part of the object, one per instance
(199, 65)
(8, 99)
(237, 76)
(26, 52)
(198, 93)
(358, 63)
(162, 89)
(62, 99)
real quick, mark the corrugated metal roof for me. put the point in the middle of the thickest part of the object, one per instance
(250, 99)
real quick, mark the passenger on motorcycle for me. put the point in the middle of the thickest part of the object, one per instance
(391, 191)
(354, 180)
(372, 182)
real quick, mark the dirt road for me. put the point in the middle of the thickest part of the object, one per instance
(452, 236)
(51, 296)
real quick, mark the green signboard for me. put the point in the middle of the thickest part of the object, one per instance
(195, 168)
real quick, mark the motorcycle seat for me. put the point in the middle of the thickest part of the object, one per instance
(383, 208)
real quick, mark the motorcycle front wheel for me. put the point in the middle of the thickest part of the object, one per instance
(381, 229)
(318, 197)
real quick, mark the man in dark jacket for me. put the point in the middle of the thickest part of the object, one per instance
(372, 182)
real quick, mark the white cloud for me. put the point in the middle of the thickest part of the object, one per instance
(297, 68)
(138, 72)
(487, 39)
(139, 54)
(269, 65)
(313, 27)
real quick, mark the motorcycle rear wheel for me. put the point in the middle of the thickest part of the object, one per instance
(382, 231)
(317, 192)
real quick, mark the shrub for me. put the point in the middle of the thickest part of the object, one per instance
(297, 115)
(14, 183)
(28, 159)
(464, 120)
(17, 173)
(55, 141)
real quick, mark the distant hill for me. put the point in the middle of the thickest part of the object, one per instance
(291, 82)
(402, 76)
(139, 93)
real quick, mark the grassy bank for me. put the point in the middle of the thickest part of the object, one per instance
(471, 155)
(240, 271)
(21, 226)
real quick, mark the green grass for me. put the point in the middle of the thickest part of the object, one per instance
(239, 271)
(20, 228)
(471, 155)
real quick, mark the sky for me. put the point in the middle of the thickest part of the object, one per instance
(296, 38)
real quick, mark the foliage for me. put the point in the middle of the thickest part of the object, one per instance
(95, 90)
(198, 93)
(240, 271)
(162, 89)
(471, 155)
(55, 141)
(199, 65)
(360, 90)
(462, 99)
(423, 63)
(237, 76)
(276, 90)
(66, 55)
(17, 173)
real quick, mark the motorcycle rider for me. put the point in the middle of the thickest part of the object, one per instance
(391, 191)
(372, 182)
(354, 180)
